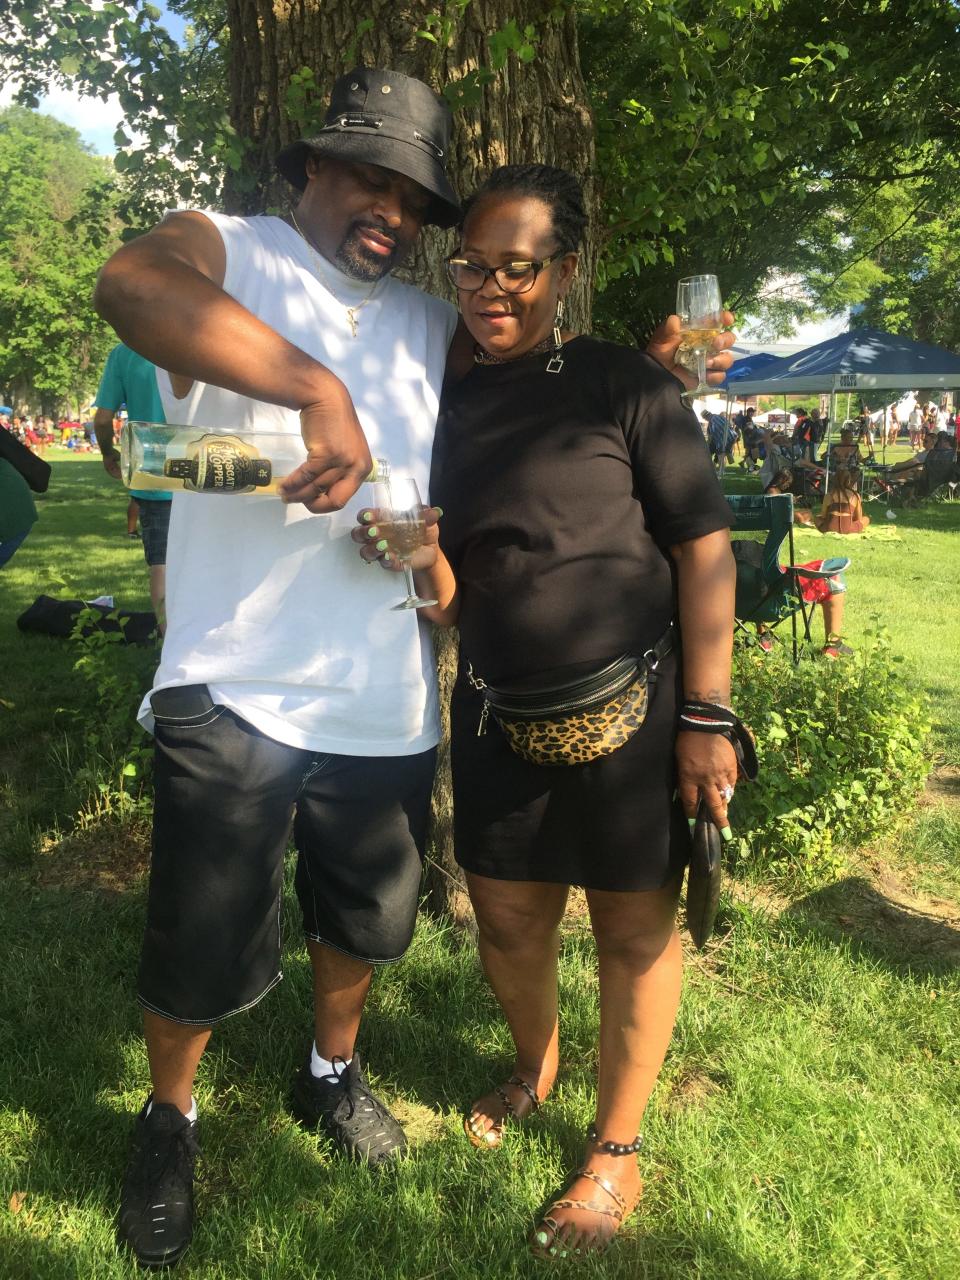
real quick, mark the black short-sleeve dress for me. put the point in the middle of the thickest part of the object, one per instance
(562, 494)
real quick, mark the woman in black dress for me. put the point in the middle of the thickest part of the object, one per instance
(582, 518)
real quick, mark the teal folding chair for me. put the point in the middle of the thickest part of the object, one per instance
(768, 590)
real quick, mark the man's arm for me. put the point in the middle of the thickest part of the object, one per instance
(163, 293)
(103, 428)
(665, 343)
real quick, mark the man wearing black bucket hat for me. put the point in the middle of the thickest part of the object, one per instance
(288, 689)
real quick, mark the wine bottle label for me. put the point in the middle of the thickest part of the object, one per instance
(221, 464)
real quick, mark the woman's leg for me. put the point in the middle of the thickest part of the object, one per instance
(639, 961)
(833, 615)
(519, 940)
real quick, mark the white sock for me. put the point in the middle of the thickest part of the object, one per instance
(320, 1067)
(191, 1114)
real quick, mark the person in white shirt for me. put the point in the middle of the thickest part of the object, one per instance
(289, 690)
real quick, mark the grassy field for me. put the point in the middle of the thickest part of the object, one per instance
(805, 1125)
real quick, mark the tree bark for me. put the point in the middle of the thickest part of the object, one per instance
(533, 111)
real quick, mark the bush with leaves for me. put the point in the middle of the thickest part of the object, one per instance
(842, 749)
(115, 755)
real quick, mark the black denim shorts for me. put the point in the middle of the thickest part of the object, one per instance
(226, 797)
(154, 525)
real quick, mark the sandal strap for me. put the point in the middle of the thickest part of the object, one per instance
(590, 1206)
(528, 1089)
(502, 1095)
(605, 1185)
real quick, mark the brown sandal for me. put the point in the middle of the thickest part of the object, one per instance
(482, 1138)
(545, 1247)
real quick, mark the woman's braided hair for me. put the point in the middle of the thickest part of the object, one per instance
(556, 188)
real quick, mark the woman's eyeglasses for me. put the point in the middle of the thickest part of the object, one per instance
(513, 277)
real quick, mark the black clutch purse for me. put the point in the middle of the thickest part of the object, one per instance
(703, 878)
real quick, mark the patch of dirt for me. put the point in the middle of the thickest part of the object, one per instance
(902, 926)
(108, 858)
(922, 906)
(421, 1124)
(943, 784)
(691, 1088)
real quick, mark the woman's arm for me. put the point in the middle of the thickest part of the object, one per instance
(706, 582)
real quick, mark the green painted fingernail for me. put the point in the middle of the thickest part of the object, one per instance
(366, 516)
(386, 555)
(439, 511)
(373, 531)
(542, 1237)
(726, 833)
(382, 544)
(691, 822)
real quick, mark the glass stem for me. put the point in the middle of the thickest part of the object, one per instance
(692, 392)
(411, 585)
(701, 367)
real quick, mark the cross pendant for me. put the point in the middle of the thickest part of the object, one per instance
(353, 321)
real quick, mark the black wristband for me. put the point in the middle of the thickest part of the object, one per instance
(711, 717)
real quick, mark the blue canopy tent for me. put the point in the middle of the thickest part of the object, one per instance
(747, 366)
(859, 360)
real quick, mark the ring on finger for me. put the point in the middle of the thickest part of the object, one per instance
(727, 792)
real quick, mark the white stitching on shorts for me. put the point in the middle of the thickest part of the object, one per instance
(211, 1022)
(353, 955)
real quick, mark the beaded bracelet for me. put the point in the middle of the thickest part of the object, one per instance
(614, 1148)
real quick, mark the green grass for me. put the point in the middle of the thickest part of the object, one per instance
(804, 1127)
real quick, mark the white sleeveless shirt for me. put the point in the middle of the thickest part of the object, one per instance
(268, 605)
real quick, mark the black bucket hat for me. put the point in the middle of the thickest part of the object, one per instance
(385, 118)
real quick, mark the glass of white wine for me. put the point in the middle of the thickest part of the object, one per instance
(401, 521)
(700, 309)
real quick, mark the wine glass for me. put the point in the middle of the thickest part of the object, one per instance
(400, 519)
(700, 309)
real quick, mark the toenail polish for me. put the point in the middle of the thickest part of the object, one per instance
(542, 1237)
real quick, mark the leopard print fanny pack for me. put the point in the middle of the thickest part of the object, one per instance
(581, 720)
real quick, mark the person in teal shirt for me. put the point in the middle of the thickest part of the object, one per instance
(128, 379)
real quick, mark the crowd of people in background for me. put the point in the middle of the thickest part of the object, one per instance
(799, 437)
(40, 431)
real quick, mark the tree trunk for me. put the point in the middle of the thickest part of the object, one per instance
(531, 111)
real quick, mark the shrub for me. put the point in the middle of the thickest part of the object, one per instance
(842, 755)
(113, 755)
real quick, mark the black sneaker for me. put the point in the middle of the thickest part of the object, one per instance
(343, 1107)
(156, 1203)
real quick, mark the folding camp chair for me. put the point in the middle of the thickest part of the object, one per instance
(768, 591)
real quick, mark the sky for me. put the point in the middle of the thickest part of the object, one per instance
(95, 120)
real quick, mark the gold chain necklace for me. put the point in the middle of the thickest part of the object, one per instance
(325, 280)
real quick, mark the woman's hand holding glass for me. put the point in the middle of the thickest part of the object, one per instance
(402, 540)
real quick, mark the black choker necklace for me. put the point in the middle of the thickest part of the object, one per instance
(484, 357)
